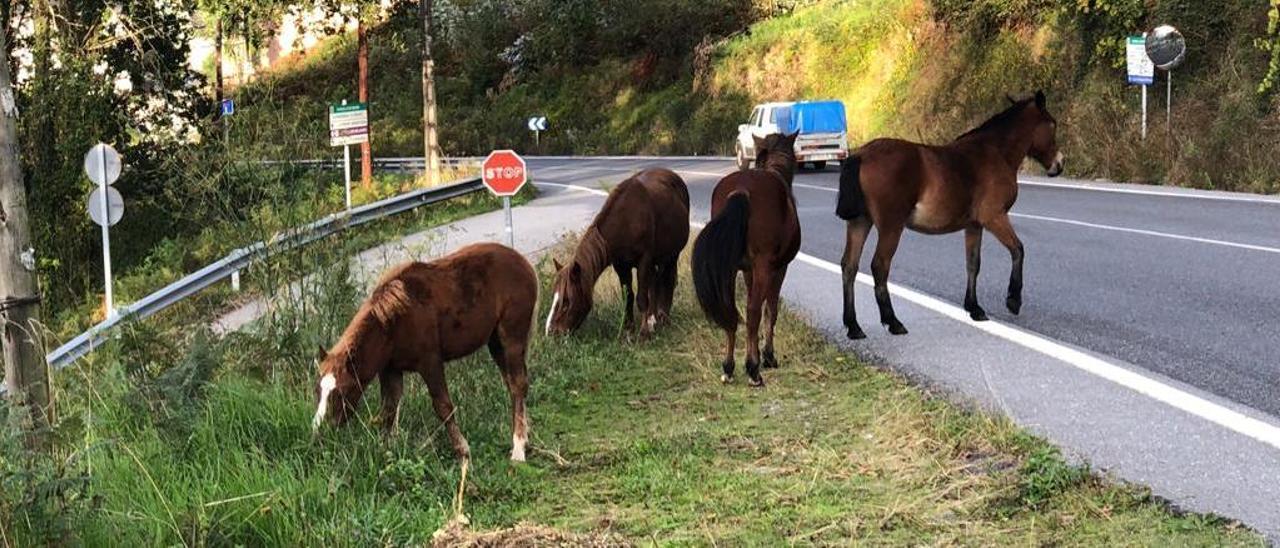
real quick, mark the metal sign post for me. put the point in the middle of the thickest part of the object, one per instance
(504, 173)
(511, 234)
(1141, 70)
(102, 164)
(348, 125)
(1167, 49)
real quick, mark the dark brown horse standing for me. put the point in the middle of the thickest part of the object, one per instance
(754, 229)
(967, 185)
(422, 315)
(643, 225)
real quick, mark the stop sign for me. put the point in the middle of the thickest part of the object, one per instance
(503, 172)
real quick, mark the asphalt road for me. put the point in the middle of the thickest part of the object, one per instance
(1202, 311)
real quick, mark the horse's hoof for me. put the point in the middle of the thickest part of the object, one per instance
(756, 382)
(897, 328)
(726, 379)
(856, 334)
(1014, 304)
(978, 315)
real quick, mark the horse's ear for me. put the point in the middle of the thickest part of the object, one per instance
(760, 143)
(557, 264)
(791, 139)
(1040, 99)
(321, 354)
(1010, 99)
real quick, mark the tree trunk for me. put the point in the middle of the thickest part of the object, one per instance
(430, 141)
(217, 65)
(25, 373)
(362, 59)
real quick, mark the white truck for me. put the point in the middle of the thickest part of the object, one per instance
(823, 134)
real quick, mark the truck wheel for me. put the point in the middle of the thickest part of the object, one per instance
(820, 165)
(743, 161)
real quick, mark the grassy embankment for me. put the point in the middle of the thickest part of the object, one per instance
(919, 69)
(171, 437)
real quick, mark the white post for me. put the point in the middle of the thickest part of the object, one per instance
(1168, 101)
(235, 281)
(1144, 112)
(511, 237)
(106, 236)
(346, 170)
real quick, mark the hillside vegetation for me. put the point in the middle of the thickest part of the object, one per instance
(919, 69)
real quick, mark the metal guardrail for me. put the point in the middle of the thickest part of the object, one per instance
(239, 259)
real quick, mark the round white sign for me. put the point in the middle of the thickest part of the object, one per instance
(102, 164)
(115, 205)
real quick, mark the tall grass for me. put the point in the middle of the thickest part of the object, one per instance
(174, 437)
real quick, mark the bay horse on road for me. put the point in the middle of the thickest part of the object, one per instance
(643, 225)
(421, 315)
(967, 185)
(754, 229)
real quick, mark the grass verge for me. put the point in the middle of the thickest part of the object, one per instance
(186, 439)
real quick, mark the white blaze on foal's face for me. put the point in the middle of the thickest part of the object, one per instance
(327, 383)
(555, 302)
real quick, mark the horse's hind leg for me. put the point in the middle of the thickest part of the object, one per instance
(727, 365)
(628, 296)
(973, 262)
(757, 291)
(668, 277)
(1002, 229)
(510, 356)
(885, 249)
(391, 382)
(771, 312)
(645, 278)
(855, 237)
(432, 371)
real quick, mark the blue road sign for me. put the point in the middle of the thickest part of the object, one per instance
(228, 107)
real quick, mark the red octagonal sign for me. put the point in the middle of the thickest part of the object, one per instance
(504, 172)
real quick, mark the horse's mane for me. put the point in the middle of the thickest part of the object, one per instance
(592, 253)
(1000, 120)
(390, 299)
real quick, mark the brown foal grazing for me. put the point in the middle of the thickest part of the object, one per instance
(969, 184)
(754, 228)
(644, 224)
(422, 315)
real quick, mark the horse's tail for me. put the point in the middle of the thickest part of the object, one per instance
(716, 255)
(851, 203)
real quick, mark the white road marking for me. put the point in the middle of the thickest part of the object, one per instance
(326, 387)
(1211, 241)
(1174, 397)
(1179, 399)
(1197, 239)
(1144, 192)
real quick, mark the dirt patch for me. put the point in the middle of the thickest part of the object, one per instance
(456, 534)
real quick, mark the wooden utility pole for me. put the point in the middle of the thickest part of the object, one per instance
(25, 374)
(430, 141)
(362, 59)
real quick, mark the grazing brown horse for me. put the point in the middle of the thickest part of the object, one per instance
(422, 315)
(969, 184)
(754, 228)
(643, 225)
